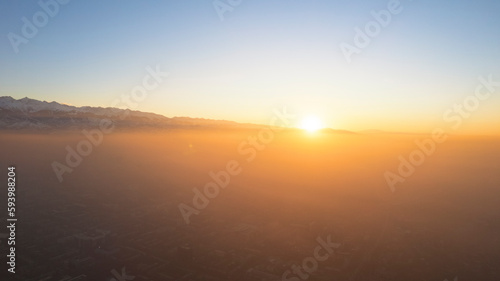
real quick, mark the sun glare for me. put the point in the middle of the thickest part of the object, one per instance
(311, 124)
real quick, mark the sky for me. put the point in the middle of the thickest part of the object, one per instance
(259, 55)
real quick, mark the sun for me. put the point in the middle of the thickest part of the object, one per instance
(311, 124)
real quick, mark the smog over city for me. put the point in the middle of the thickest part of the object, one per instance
(239, 140)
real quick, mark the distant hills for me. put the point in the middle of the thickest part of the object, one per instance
(29, 113)
(38, 115)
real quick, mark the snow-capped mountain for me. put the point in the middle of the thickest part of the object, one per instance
(30, 106)
(28, 113)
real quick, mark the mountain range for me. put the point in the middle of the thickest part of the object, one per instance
(29, 113)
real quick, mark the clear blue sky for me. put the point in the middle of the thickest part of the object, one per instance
(265, 53)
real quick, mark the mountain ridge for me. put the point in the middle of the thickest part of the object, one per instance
(27, 113)
(32, 114)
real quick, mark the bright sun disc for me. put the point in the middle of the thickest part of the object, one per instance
(311, 124)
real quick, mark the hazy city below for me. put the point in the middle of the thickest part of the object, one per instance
(233, 140)
(442, 221)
